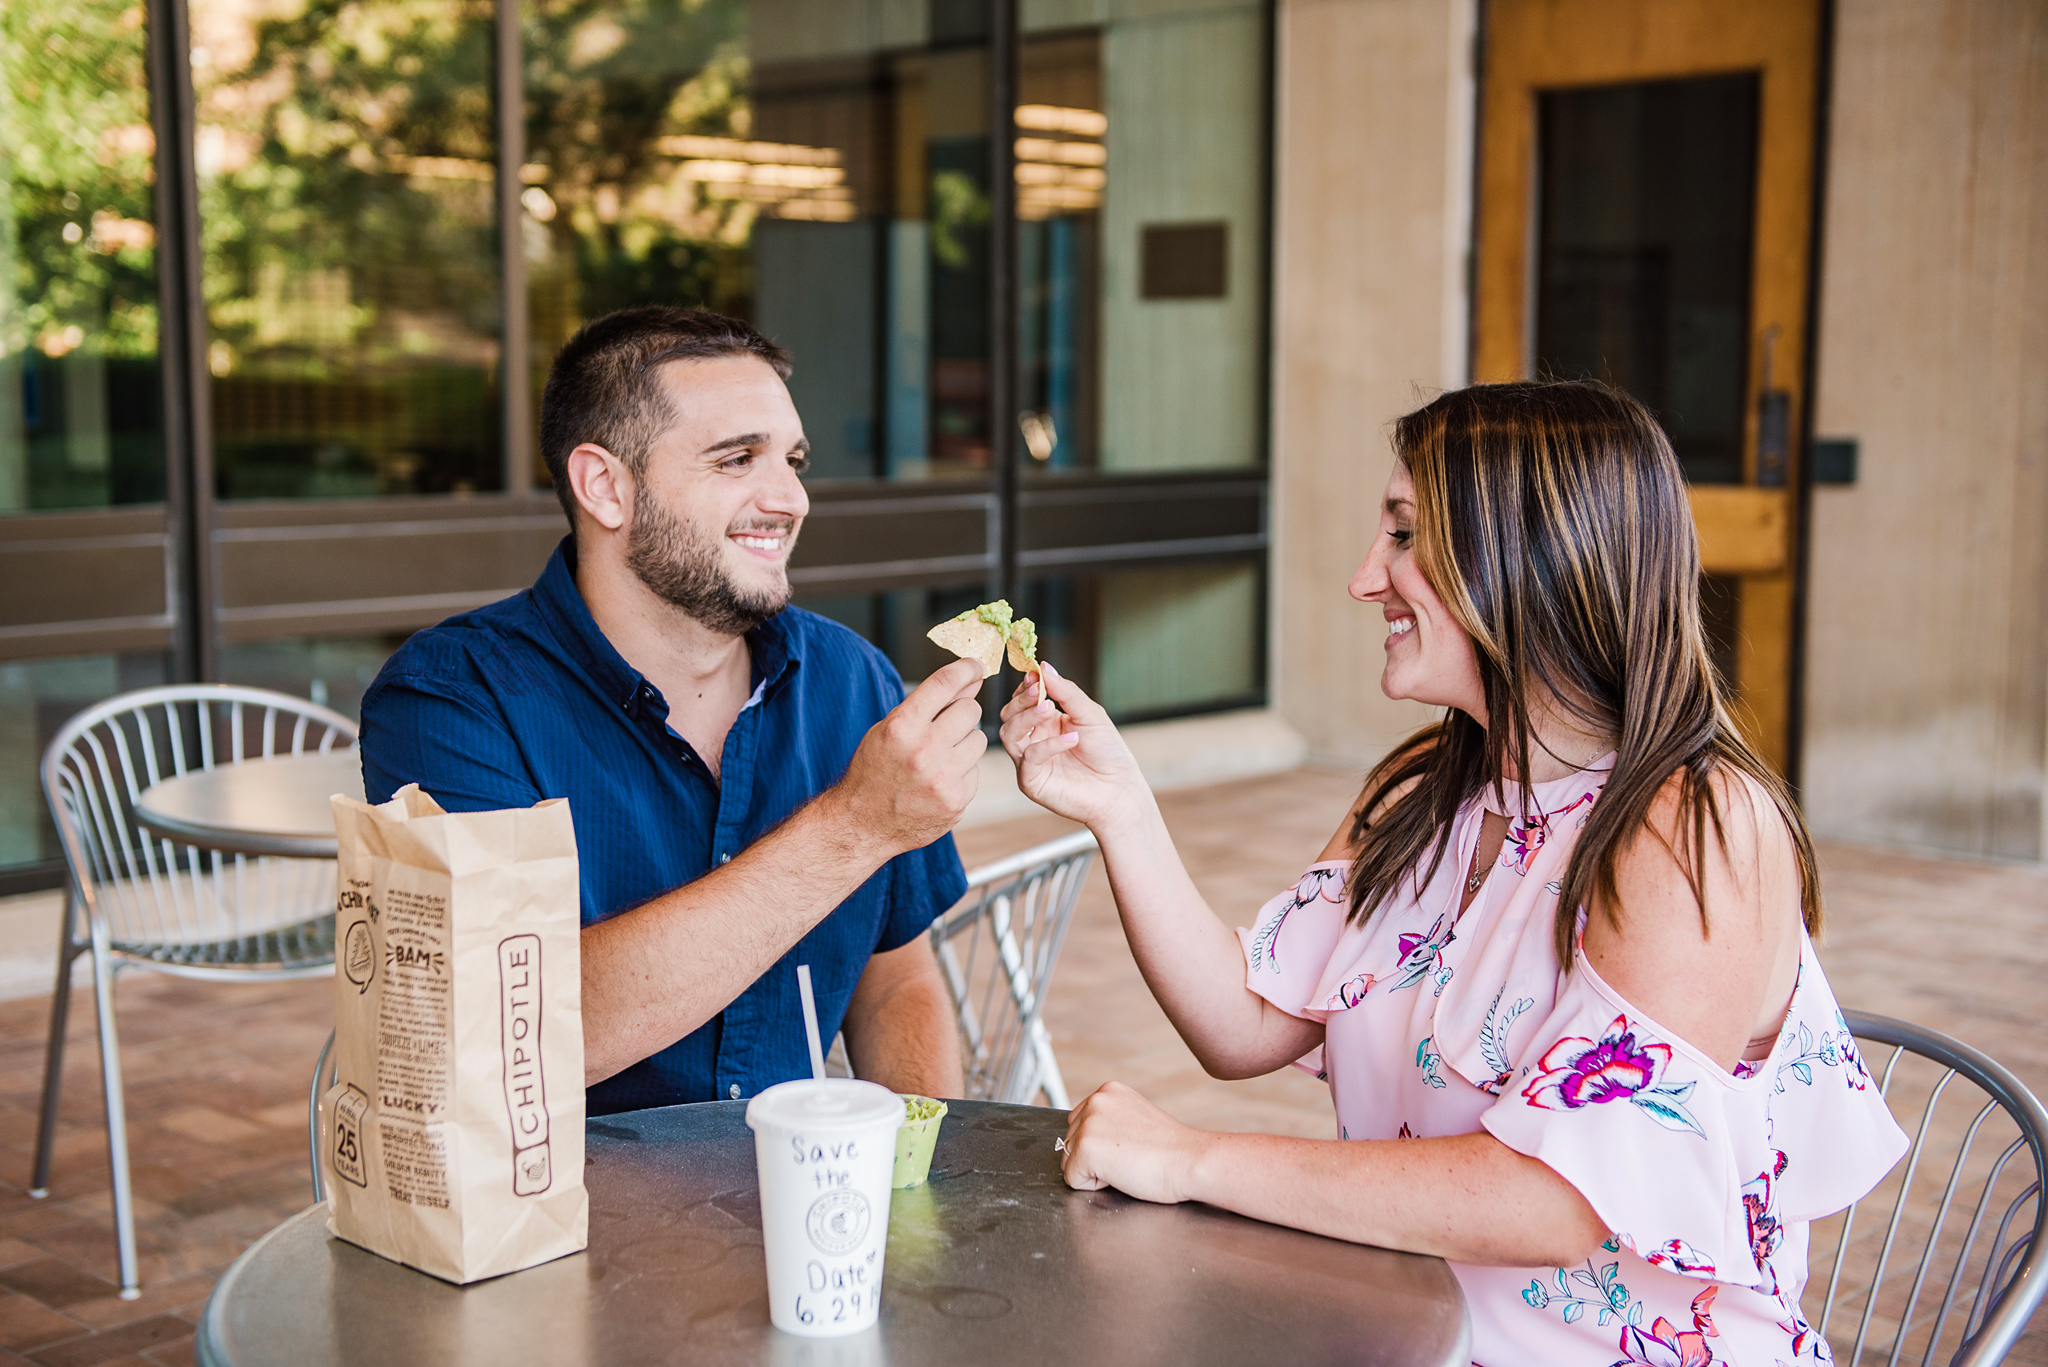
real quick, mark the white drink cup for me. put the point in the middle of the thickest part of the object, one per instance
(825, 1150)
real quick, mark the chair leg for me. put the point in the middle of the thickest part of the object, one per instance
(1049, 1079)
(53, 1060)
(117, 1117)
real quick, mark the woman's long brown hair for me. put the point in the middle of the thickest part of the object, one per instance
(1551, 518)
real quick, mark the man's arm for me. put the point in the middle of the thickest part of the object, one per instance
(900, 1027)
(656, 973)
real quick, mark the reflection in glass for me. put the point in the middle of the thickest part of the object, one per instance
(80, 408)
(36, 698)
(1643, 258)
(334, 671)
(345, 154)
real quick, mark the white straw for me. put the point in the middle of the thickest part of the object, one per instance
(803, 985)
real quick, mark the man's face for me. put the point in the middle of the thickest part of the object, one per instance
(718, 504)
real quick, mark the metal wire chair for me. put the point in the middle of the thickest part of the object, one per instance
(137, 900)
(997, 950)
(1975, 1118)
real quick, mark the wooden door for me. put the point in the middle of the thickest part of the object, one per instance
(1645, 210)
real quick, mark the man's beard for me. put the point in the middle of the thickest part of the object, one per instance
(673, 561)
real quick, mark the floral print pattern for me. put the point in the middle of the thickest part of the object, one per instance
(1317, 885)
(1577, 1072)
(1661, 1345)
(1493, 1037)
(1830, 1049)
(1526, 837)
(1422, 956)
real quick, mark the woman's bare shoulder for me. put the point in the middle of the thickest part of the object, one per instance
(1705, 976)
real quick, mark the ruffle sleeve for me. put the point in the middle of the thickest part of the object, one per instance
(1291, 940)
(1694, 1170)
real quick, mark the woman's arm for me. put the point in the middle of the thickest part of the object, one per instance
(1467, 1197)
(1074, 763)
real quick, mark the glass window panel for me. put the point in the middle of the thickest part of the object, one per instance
(1144, 642)
(346, 166)
(1137, 141)
(80, 405)
(1643, 257)
(334, 671)
(818, 168)
(36, 698)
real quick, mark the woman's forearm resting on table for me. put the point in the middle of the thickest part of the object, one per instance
(1469, 1197)
(1466, 1197)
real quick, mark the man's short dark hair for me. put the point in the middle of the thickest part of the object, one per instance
(605, 384)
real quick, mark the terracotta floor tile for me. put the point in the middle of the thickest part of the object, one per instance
(159, 1297)
(26, 1326)
(183, 1353)
(128, 1341)
(55, 1284)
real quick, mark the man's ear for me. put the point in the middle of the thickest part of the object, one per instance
(602, 485)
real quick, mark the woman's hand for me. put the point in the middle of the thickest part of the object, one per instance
(1116, 1138)
(1072, 762)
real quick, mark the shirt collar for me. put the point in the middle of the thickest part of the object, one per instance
(773, 648)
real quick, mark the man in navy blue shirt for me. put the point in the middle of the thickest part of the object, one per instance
(751, 789)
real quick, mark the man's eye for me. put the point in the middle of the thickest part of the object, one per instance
(800, 463)
(738, 462)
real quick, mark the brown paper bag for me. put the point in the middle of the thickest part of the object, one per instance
(453, 1138)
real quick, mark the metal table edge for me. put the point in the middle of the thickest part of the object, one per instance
(210, 1326)
(237, 841)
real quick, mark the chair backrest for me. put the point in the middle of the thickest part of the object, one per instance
(1951, 1272)
(162, 901)
(997, 949)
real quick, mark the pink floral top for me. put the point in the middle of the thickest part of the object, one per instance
(1439, 1024)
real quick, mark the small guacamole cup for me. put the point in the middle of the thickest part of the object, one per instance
(916, 1140)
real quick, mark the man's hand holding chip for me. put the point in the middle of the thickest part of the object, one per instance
(915, 770)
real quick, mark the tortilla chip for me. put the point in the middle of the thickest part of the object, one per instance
(1023, 639)
(970, 640)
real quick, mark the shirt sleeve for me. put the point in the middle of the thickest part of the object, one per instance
(922, 885)
(1289, 945)
(446, 736)
(1693, 1170)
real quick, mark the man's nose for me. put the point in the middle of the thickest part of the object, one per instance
(783, 494)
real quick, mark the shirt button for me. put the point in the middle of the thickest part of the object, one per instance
(733, 1091)
(725, 859)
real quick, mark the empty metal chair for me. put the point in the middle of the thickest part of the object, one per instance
(997, 950)
(1952, 1271)
(137, 900)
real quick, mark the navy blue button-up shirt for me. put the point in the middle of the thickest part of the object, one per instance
(526, 699)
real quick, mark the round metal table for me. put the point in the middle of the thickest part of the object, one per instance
(993, 1262)
(260, 806)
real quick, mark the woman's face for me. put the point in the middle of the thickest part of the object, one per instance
(1430, 659)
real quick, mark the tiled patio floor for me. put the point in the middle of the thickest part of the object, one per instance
(217, 1076)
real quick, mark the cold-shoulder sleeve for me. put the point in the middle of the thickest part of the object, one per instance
(1292, 938)
(1695, 1170)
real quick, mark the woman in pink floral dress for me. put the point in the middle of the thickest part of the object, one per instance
(1555, 965)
